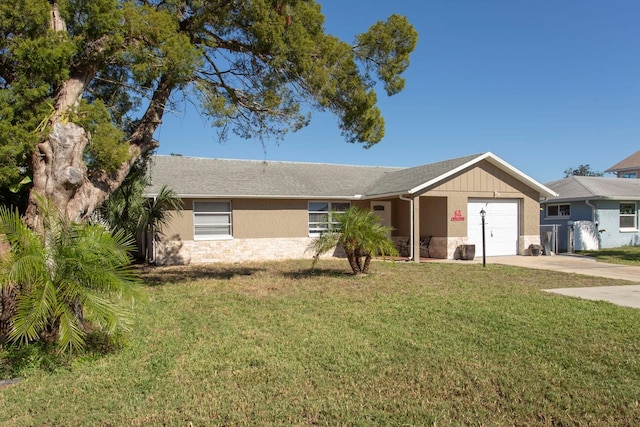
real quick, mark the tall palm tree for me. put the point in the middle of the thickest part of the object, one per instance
(72, 279)
(360, 234)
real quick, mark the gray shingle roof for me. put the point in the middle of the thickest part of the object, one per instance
(202, 177)
(407, 179)
(592, 187)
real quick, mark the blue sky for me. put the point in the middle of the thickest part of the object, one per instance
(545, 85)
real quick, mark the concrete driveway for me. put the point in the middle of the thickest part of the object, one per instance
(627, 295)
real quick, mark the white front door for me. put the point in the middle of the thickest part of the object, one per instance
(501, 226)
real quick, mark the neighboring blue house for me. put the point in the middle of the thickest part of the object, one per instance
(591, 213)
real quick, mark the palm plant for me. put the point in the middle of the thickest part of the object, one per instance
(360, 234)
(66, 282)
(130, 210)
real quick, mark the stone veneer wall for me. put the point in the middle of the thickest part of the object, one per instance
(171, 252)
(525, 241)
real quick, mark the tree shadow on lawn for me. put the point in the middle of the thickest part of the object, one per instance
(317, 272)
(604, 254)
(161, 275)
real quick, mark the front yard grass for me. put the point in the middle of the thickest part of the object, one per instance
(627, 255)
(278, 344)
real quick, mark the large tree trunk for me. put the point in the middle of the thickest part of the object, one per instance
(57, 162)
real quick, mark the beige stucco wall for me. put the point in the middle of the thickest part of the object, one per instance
(268, 218)
(181, 223)
(251, 218)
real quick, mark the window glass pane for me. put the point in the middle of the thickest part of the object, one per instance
(321, 214)
(202, 219)
(318, 217)
(340, 207)
(319, 226)
(627, 208)
(212, 207)
(212, 230)
(211, 218)
(319, 206)
(558, 210)
(627, 222)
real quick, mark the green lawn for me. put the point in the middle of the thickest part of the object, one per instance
(275, 344)
(628, 255)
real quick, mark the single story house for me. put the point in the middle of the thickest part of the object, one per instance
(241, 210)
(591, 213)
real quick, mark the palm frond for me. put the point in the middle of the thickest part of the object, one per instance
(71, 274)
(33, 312)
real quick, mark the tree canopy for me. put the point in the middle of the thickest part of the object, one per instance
(84, 84)
(582, 170)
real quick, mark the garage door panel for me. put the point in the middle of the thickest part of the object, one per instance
(501, 226)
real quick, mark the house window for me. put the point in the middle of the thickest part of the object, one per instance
(628, 175)
(628, 216)
(323, 215)
(559, 211)
(211, 220)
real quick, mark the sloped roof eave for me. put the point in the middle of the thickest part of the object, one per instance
(590, 198)
(261, 196)
(385, 195)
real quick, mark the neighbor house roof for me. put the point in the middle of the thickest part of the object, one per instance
(631, 162)
(201, 177)
(594, 188)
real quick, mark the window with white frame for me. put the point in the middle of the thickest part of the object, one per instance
(323, 215)
(211, 220)
(628, 215)
(628, 175)
(559, 210)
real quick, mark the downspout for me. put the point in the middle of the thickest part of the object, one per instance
(410, 200)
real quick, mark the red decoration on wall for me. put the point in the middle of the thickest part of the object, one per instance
(457, 216)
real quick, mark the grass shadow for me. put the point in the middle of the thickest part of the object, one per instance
(317, 272)
(630, 256)
(161, 275)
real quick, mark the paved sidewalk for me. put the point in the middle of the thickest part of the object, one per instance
(628, 295)
(571, 264)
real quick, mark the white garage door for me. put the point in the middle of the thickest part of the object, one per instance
(501, 226)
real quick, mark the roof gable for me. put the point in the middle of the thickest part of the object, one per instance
(594, 187)
(419, 179)
(631, 162)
